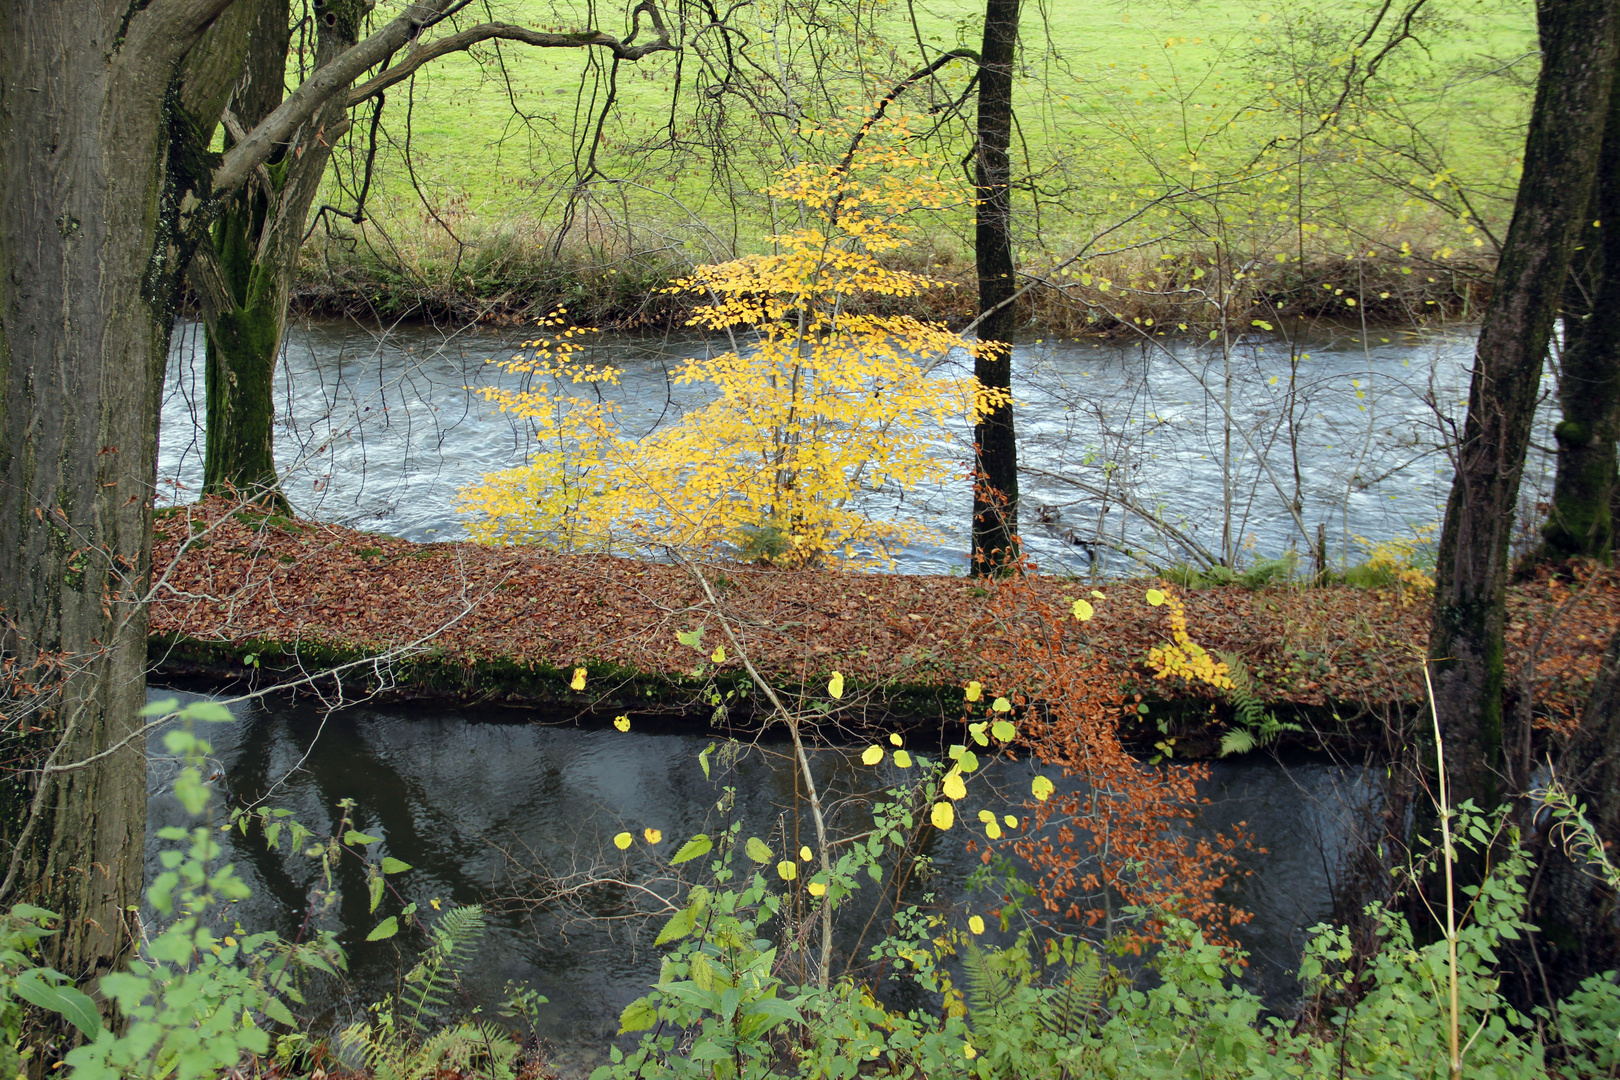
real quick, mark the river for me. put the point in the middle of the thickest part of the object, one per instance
(486, 804)
(379, 427)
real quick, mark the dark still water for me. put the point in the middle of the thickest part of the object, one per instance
(514, 810)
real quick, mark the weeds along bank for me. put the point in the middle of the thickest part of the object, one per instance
(1263, 150)
(1115, 955)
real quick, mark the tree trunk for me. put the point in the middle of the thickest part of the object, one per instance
(99, 141)
(1581, 522)
(1576, 911)
(244, 277)
(1560, 161)
(995, 488)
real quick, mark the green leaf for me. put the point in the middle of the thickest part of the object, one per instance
(375, 888)
(384, 930)
(695, 848)
(639, 1015)
(354, 836)
(208, 711)
(703, 759)
(277, 1010)
(757, 850)
(1003, 731)
(74, 1005)
(691, 638)
(391, 865)
(680, 924)
(160, 708)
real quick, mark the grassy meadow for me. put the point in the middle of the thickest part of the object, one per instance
(1148, 134)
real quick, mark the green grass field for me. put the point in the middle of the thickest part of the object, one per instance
(1117, 103)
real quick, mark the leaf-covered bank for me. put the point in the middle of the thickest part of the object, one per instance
(249, 594)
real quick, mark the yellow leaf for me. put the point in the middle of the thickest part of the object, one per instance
(986, 816)
(1012, 822)
(835, 685)
(953, 787)
(1097, 595)
(902, 759)
(805, 853)
(1155, 597)
(623, 840)
(993, 831)
(974, 690)
(872, 755)
(622, 723)
(1083, 610)
(1001, 704)
(787, 870)
(817, 889)
(719, 654)
(895, 740)
(967, 1048)
(976, 924)
(653, 835)
(942, 815)
(1003, 731)
(578, 682)
(1042, 788)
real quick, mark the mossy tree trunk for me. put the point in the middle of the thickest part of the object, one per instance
(1581, 521)
(995, 489)
(244, 276)
(1578, 46)
(1575, 910)
(105, 113)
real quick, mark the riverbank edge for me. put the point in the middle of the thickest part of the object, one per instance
(263, 600)
(1193, 724)
(1153, 294)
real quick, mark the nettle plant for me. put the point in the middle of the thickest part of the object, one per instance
(827, 401)
(724, 1003)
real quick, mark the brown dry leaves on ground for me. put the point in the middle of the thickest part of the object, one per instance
(242, 582)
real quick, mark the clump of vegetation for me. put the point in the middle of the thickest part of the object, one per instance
(825, 404)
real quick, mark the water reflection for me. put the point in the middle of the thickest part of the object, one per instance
(488, 805)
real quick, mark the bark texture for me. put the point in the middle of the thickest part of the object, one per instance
(1575, 911)
(97, 147)
(1578, 40)
(245, 272)
(995, 490)
(1581, 520)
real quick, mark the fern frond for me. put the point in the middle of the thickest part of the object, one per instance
(989, 986)
(1067, 1009)
(424, 998)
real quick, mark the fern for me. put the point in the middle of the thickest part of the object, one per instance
(1254, 725)
(398, 1046)
(440, 966)
(1068, 1009)
(990, 987)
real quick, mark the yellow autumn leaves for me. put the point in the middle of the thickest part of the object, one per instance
(825, 405)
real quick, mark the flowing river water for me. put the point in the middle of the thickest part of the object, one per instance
(1162, 448)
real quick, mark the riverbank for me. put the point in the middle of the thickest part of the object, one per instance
(515, 277)
(266, 599)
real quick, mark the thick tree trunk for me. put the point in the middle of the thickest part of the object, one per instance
(98, 142)
(995, 489)
(1581, 521)
(1578, 40)
(245, 277)
(1576, 911)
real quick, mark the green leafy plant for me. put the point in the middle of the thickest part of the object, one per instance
(410, 1035)
(1254, 726)
(195, 1001)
